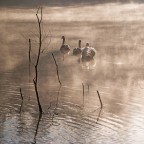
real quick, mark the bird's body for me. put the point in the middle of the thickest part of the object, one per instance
(88, 56)
(65, 48)
(77, 51)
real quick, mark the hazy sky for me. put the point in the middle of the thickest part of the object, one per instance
(29, 3)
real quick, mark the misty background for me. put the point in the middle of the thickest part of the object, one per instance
(115, 29)
(27, 3)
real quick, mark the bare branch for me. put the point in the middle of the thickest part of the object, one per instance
(83, 93)
(56, 69)
(35, 80)
(22, 100)
(37, 95)
(21, 94)
(100, 99)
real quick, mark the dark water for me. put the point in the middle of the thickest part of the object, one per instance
(67, 117)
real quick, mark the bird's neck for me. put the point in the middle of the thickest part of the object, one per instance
(87, 44)
(63, 42)
(79, 44)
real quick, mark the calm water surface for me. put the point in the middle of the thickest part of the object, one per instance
(65, 119)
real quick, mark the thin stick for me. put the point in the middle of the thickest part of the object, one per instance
(100, 99)
(21, 94)
(37, 95)
(29, 64)
(88, 87)
(56, 69)
(83, 93)
(29, 53)
(22, 100)
(29, 57)
(35, 80)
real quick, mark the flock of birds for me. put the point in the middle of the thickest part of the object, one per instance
(86, 55)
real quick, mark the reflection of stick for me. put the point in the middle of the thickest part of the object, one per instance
(39, 118)
(58, 96)
(57, 101)
(99, 115)
(56, 68)
(22, 100)
(100, 99)
(83, 93)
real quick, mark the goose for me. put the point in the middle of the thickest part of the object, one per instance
(65, 48)
(77, 51)
(88, 56)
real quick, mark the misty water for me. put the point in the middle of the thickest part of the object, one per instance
(68, 116)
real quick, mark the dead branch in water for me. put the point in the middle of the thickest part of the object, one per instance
(29, 64)
(21, 94)
(37, 95)
(35, 80)
(57, 69)
(29, 56)
(100, 99)
(88, 88)
(22, 100)
(83, 93)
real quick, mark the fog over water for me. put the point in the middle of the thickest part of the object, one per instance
(115, 30)
(32, 3)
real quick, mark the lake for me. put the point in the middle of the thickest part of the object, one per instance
(69, 115)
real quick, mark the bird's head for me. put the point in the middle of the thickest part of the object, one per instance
(87, 44)
(79, 43)
(63, 37)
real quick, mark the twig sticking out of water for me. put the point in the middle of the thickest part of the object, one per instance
(57, 69)
(29, 56)
(83, 93)
(29, 64)
(88, 88)
(35, 80)
(100, 99)
(21, 94)
(22, 100)
(37, 95)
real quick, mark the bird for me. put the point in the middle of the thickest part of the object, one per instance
(65, 48)
(88, 56)
(78, 51)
